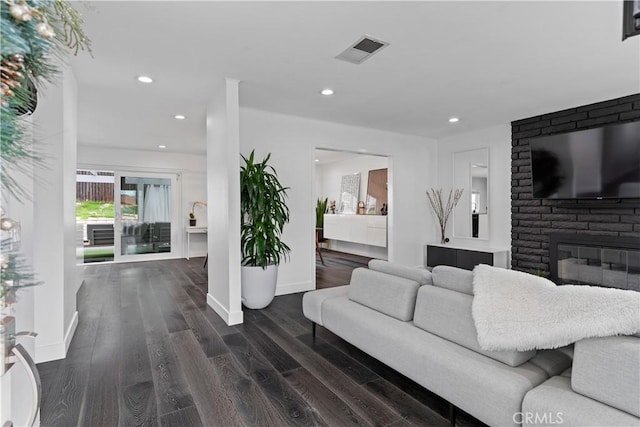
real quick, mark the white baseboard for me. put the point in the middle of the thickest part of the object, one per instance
(71, 330)
(292, 288)
(230, 318)
(49, 352)
(57, 351)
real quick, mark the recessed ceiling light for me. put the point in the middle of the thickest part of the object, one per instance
(162, 146)
(326, 92)
(179, 117)
(454, 120)
(317, 160)
(144, 79)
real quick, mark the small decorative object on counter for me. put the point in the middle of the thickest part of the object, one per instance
(361, 208)
(385, 209)
(332, 207)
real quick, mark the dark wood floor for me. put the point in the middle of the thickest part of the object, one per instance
(337, 268)
(149, 351)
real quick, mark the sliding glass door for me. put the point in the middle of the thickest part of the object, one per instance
(146, 206)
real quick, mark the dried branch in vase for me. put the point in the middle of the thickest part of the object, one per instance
(443, 210)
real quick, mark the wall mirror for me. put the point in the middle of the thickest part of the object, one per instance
(471, 215)
(349, 192)
(377, 192)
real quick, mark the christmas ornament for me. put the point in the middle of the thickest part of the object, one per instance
(45, 30)
(21, 12)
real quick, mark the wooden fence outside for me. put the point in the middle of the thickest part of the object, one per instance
(94, 191)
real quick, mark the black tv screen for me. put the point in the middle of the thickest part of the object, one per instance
(595, 163)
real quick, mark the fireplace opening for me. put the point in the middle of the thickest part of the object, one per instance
(583, 259)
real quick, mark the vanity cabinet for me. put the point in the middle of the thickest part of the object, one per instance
(465, 257)
(364, 229)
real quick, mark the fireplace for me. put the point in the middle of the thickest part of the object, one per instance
(584, 259)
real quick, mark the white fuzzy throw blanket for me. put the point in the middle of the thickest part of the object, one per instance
(519, 311)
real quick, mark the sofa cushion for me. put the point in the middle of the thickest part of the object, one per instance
(391, 295)
(448, 314)
(312, 301)
(420, 275)
(453, 278)
(487, 389)
(608, 370)
(555, 402)
(555, 361)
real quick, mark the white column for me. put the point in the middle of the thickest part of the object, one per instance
(223, 198)
(55, 132)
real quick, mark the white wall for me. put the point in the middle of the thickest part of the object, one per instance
(193, 184)
(223, 187)
(498, 140)
(292, 142)
(328, 182)
(54, 219)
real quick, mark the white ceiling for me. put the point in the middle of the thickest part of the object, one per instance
(486, 62)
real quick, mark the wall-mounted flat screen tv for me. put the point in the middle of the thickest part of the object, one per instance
(599, 163)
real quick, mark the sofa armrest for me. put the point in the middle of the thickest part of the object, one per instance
(312, 301)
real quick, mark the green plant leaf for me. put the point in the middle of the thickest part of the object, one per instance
(263, 212)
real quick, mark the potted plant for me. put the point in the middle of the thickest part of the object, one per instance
(192, 215)
(263, 215)
(321, 209)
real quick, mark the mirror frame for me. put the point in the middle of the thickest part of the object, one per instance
(468, 189)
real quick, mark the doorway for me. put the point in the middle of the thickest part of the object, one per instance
(353, 225)
(126, 216)
(145, 216)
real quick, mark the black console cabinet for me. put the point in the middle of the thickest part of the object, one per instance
(466, 258)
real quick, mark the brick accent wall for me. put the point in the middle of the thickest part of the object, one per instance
(533, 220)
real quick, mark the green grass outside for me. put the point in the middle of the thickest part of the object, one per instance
(92, 209)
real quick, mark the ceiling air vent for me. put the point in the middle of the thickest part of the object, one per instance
(362, 50)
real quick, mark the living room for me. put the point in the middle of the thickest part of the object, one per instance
(452, 77)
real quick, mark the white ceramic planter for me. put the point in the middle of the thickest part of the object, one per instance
(258, 286)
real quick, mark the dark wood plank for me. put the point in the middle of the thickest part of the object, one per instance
(135, 366)
(171, 388)
(172, 316)
(334, 411)
(138, 405)
(284, 399)
(358, 372)
(211, 343)
(186, 417)
(62, 401)
(367, 406)
(409, 408)
(292, 326)
(102, 403)
(337, 268)
(253, 406)
(212, 400)
(272, 352)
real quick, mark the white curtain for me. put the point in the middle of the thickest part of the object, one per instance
(157, 203)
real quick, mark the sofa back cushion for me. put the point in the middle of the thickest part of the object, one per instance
(392, 295)
(420, 275)
(447, 314)
(453, 278)
(608, 370)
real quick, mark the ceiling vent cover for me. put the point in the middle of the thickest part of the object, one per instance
(362, 50)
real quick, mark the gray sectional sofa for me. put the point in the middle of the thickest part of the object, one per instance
(420, 323)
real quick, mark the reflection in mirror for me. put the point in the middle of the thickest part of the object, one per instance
(377, 192)
(471, 172)
(349, 192)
